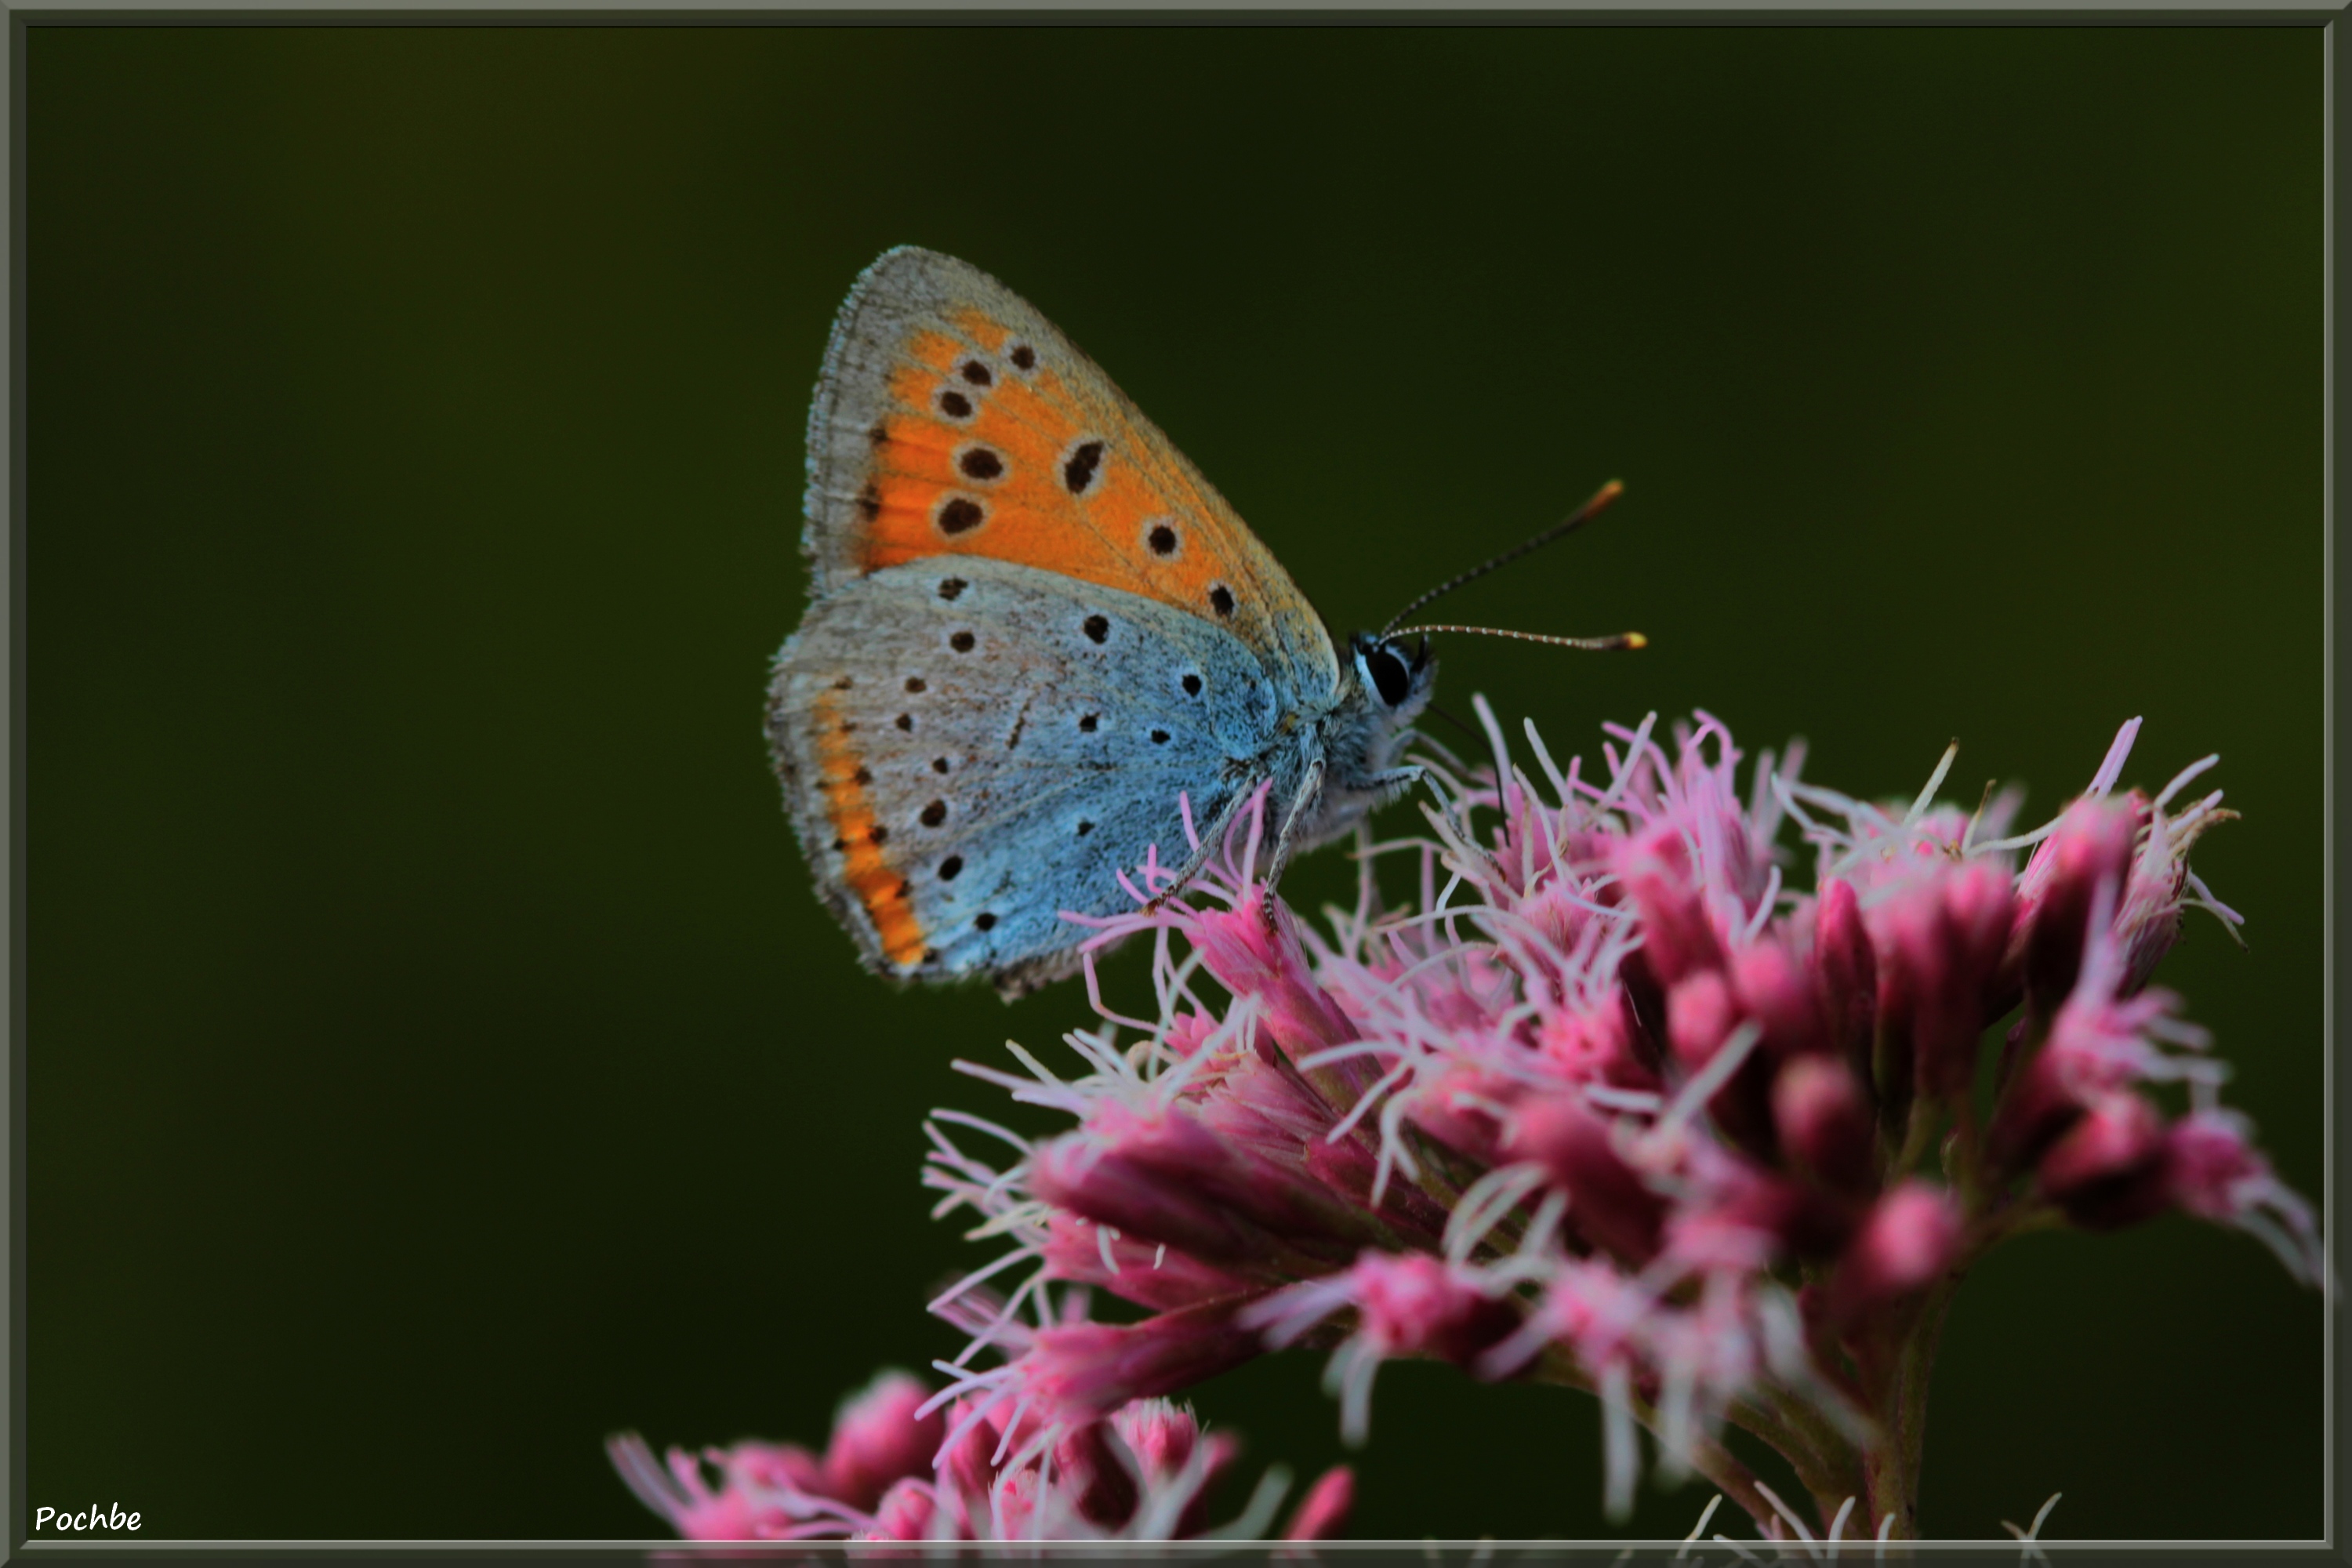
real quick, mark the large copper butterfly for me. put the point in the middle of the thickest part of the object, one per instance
(1032, 625)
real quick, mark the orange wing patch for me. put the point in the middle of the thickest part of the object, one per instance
(979, 459)
(865, 871)
(953, 419)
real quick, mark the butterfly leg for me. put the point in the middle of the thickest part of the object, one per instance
(1303, 803)
(1391, 783)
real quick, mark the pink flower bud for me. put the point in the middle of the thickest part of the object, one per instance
(1939, 942)
(1187, 1032)
(1905, 1243)
(1847, 970)
(2212, 1161)
(877, 1438)
(1775, 991)
(681, 1492)
(1146, 1273)
(905, 1513)
(1412, 1304)
(1455, 1110)
(781, 1467)
(2109, 1170)
(1678, 938)
(1323, 1512)
(969, 1462)
(1164, 1439)
(2148, 916)
(1013, 1505)
(1251, 958)
(1083, 1371)
(1593, 1046)
(1160, 1435)
(2218, 1175)
(1825, 1121)
(1073, 1173)
(1981, 903)
(1607, 1198)
(1347, 1167)
(1280, 1195)
(1700, 1014)
(2093, 841)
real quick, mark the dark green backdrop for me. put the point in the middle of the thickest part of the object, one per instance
(437, 1058)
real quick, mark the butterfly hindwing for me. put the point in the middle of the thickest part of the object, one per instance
(973, 747)
(953, 419)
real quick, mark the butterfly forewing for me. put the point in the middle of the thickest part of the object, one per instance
(953, 419)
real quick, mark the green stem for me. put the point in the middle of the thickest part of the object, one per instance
(1824, 1458)
(1891, 1466)
(1916, 1137)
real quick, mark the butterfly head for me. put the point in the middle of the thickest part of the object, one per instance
(1396, 680)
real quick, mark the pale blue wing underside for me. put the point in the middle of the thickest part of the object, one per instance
(1024, 737)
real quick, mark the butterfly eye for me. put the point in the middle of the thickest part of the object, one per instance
(1390, 676)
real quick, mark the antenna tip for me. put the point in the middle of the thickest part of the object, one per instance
(1635, 639)
(1613, 488)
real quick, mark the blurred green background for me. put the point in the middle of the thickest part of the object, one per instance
(437, 1058)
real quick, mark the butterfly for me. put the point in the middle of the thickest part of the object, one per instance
(1033, 627)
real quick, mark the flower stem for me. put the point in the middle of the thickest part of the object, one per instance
(1825, 1461)
(1891, 1466)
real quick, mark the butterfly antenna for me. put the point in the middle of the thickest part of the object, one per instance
(1576, 520)
(1604, 645)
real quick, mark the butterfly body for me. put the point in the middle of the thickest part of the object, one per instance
(1034, 627)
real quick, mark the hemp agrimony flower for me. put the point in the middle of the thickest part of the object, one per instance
(1611, 1105)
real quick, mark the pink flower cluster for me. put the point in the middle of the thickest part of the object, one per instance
(1612, 1106)
(893, 1472)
